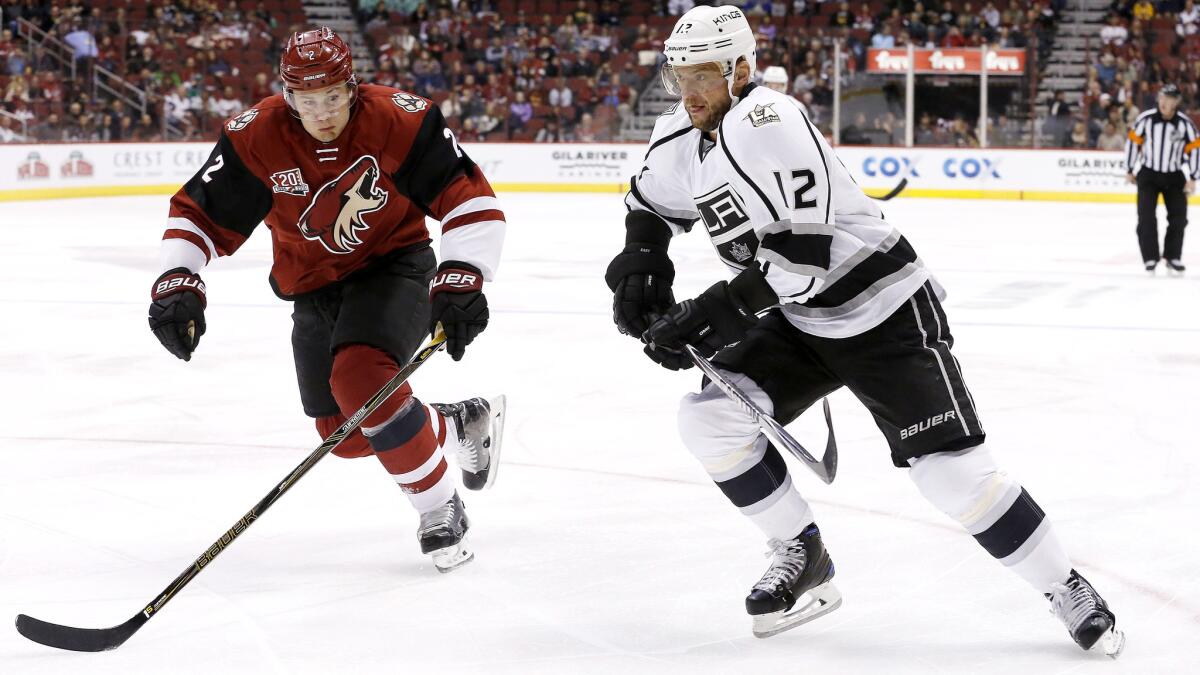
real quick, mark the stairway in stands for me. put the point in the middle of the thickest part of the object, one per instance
(1066, 69)
(339, 15)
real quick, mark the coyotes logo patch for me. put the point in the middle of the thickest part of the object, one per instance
(335, 216)
(243, 120)
(408, 102)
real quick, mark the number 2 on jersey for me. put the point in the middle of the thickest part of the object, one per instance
(207, 176)
(453, 141)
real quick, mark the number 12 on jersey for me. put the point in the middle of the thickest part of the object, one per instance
(808, 182)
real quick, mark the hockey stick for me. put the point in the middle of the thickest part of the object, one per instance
(826, 468)
(102, 639)
(895, 191)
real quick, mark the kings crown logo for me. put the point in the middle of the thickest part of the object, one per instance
(740, 252)
(762, 115)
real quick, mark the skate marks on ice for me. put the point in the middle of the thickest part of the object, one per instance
(605, 548)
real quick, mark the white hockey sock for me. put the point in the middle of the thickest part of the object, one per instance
(751, 474)
(783, 515)
(1041, 560)
(996, 510)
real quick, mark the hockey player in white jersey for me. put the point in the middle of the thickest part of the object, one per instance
(776, 77)
(825, 293)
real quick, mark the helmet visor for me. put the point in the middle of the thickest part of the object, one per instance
(321, 104)
(700, 78)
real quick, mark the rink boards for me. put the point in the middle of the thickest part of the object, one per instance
(101, 169)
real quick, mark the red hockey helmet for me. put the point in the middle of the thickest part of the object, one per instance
(315, 59)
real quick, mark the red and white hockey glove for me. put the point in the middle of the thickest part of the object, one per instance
(458, 304)
(177, 303)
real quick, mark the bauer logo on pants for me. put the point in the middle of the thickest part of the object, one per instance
(927, 424)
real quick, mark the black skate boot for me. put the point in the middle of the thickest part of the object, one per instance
(443, 535)
(1175, 267)
(479, 428)
(1086, 615)
(796, 588)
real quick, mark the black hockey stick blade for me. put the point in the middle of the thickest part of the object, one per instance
(78, 639)
(829, 461)
(895, 191)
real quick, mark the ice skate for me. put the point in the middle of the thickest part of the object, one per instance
(443, 535)
(1175, 267)
(1151, 265)
(796, 588)
(479, 429)
(1086, 615)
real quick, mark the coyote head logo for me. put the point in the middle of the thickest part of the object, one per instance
(335, 216)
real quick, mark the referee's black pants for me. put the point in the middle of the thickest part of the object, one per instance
(1150, 184)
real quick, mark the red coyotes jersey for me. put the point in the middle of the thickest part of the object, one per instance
(333, 208)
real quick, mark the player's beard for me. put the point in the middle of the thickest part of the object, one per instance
(715, 112)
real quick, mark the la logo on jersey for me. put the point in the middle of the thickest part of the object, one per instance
(408, 102)
(728, 226)
(721, 210)
(335, 216)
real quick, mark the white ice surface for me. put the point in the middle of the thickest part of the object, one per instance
(603, 546)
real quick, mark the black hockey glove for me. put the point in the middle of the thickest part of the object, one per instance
(718, 317)
(177, 303)
(671, 359)
(458, 304)
(640, 276)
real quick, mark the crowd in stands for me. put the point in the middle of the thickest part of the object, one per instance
(546, 70)
(195, 60)
(1143, 45)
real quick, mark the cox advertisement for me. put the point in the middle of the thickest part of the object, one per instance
(1067, 175)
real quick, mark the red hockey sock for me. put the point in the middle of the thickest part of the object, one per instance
(354, 445)
(399, 430)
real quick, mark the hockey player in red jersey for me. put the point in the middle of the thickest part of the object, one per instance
(343, 175)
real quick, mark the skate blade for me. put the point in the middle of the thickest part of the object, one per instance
(1113, 642)
(818, 602)
(499, 412)
(452, 557)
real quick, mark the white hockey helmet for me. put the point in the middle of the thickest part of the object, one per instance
(719, 35)
(775, 75)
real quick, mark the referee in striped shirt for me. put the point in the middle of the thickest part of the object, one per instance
(1158, 144)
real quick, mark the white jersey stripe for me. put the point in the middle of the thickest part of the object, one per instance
(945, 378)
(186, 225)
(471, 206)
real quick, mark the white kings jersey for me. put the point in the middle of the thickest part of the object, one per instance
(770, 189)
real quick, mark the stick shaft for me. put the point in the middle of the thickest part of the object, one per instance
(825, 469)
(286, 484)
(91, 640)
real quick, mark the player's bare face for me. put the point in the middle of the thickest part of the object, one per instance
(704, 93)
(324, 112)
(777, 86)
